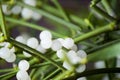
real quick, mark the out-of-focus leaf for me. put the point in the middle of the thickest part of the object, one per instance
(108, 51)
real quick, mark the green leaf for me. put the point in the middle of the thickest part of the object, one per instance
(52, 17)
(2, 23)
(107, 51)
(31, 25)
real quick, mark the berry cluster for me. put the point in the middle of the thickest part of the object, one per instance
(65, 49)
(25, 12)
(7, 53)
(22, 73)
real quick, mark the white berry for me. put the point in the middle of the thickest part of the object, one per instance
(60, 53)
(74, 47)
(80, 68)
(26, 54)
(99, 64)
(36, 16)
(56, 45)
(12, 49)
(26, 13)
(41, 49)
(5, 44)
(46, 43)
(5, 10)
(32, 42)
(82, 78)
(22, 75)
(30, 2)
(12, 58)
(67, 66)
(23, 65)
(16, 9)
(61, 40)
(72, 57)
(68, 43)
(81, 54)
(20, 39)
(45, 35)
(5, 52)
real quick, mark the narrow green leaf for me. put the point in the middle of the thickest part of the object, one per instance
(103, 13)
(33, 26)
(7, 74)
(34, 52)
(2, 23)
(52, 17)
(6, 70)
(95, 32)
(107, 51)
(93, 72)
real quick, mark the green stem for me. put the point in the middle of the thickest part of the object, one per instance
(2, 23)
(63, 75)
(52, 17)
(51, 74)
(94, 2)
(107, 6)
(5, 70)
(8, 77)
(61, 10)
(33, 26)
(104, 14)
(32, 73)
(41, 64)
(93, 72)
(7, 74)
(78, 20)
(100, 30)
(63, 14)
(72, 17)
(109, 75)
(34, 52)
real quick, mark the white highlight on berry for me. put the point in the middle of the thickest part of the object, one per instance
(22, 75)
(20, 39)
(16, 9)
(23, 65)
(41, 49)
(68, 43)
(56, 45)
(45, 35)
(32, 42)
(26, 13)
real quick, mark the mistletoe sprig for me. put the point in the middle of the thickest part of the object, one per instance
(58, 56)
